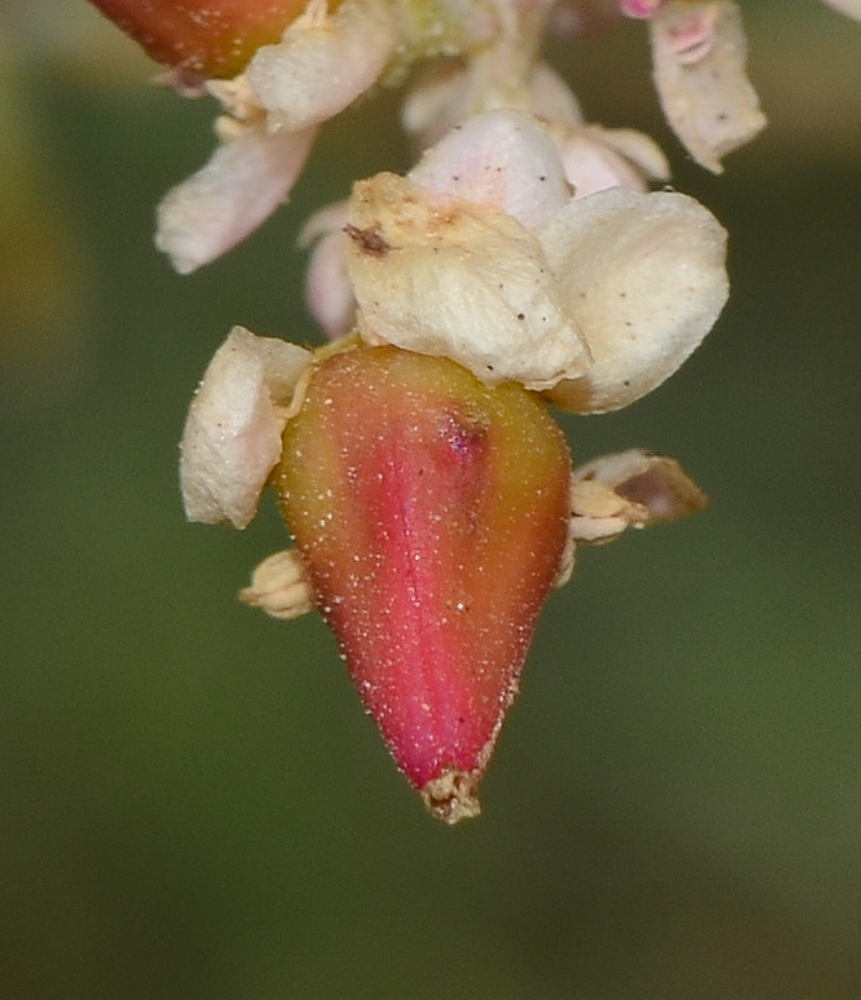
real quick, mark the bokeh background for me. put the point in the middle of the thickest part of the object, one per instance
(192, 804)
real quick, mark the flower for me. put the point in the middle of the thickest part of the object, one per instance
(427, 488)
(522, 261)
(482, 255)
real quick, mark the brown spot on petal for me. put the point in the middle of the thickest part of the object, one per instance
(369, 240)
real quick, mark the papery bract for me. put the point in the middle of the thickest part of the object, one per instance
(431, 512)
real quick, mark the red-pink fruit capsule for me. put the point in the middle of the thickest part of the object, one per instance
(213, 38)
(431, 512)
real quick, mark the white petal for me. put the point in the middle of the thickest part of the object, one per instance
(503, 159)
(322, 63)
(644, 277)
(232, 436)
(245, 180)
(698, 55)
(451, 279)
(851, 8)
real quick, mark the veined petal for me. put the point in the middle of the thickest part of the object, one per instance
(501, 158)
(323, 63)
(232, 437)
(643, 276)
(698, 56)
(448, 278)
(242, 184)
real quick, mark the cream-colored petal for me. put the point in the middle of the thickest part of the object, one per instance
(232, 436)
(245, 180)
(698, 56)
(644, 277)
(322, 63)
(501, 158)
(447, 278)
(280, 586)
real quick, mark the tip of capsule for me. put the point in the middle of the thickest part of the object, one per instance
(452, 796)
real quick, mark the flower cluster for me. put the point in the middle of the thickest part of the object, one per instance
(522, 261)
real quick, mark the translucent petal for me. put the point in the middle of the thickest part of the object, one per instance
(322, 63)
(444, 277)
(242, 184)
(232, 436)
(643, 276)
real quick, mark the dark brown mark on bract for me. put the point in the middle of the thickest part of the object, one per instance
(369, 240)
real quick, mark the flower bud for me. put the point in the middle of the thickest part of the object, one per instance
(213, 38)
(431, 514)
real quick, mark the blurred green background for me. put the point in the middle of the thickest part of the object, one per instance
(192, 804)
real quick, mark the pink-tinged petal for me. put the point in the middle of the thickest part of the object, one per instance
(851, 8)
(640, 9)
(644, 277)
(323, 63)
(232, 436)
(328, 292)
(243, 183)
(595, 159)
(503, 159)
(431, 512)
(699, 54)
(453, 279)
